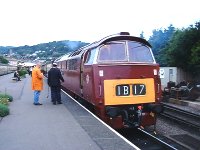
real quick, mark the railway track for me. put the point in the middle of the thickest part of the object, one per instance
(186, 121)
(147, 141)
(181, 116)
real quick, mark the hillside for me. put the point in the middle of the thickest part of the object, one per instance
(49, 50)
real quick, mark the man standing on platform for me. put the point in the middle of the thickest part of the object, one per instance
(37, 83)
(54, 78)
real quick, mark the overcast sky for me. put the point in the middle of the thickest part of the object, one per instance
(30, 22)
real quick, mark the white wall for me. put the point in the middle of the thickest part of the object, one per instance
(172, 74)
(167, 74)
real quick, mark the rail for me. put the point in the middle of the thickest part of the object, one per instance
(179, 115)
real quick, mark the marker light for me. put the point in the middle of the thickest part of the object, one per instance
(155, 72)
(140, 107)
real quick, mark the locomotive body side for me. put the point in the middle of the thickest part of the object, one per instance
(119, 77)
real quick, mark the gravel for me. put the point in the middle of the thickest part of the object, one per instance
(168, 128)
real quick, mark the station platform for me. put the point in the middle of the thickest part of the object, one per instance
(52, 127)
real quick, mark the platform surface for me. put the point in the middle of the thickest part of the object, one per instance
(51, 127)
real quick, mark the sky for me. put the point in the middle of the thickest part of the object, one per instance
(31, 22)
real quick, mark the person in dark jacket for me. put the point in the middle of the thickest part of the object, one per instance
(54, 81)
(16, 75)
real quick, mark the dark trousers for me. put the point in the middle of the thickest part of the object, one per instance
(18, 78)
(55, 94)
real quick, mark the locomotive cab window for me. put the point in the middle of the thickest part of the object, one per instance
(90, 57)
(114, 51)
(138, 52)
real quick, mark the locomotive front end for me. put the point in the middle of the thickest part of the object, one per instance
(134, 100)
(130, 83)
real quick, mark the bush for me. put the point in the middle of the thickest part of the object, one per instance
(3, 60)
(4, 101)
(4, 111)
(9, 97)
(23, 72)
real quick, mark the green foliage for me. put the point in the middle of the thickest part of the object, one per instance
(180, 47)
(142, 35)
(5, 50)
(4, 101)
(52, 49)
(183, 50)
(159, 41)
(23, 72)
(9, 97)
(195, 56)
(4, 110)
(3, 60)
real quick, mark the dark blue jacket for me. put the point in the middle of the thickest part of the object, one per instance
(54, 77)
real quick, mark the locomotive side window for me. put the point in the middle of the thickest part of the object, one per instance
(114, 51)
(72, 64)
(90, 56)
(139, 53)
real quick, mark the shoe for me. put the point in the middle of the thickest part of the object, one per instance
(59, 102)
(37, 103)
(54, 103)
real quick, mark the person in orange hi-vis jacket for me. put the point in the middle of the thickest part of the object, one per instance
(37, 83)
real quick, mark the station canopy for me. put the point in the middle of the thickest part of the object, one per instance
(28, 64)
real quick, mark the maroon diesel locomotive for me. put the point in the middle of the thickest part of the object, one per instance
(119, 77)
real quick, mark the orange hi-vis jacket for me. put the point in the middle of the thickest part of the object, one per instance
(37, 79)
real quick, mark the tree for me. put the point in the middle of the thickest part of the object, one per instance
(142, 35)
(183, 50)
(195, 54)
(3, 60)
(159, 41)
(195, 59)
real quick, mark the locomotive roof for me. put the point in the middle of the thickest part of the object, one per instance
(114, 37)
(63, 57)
